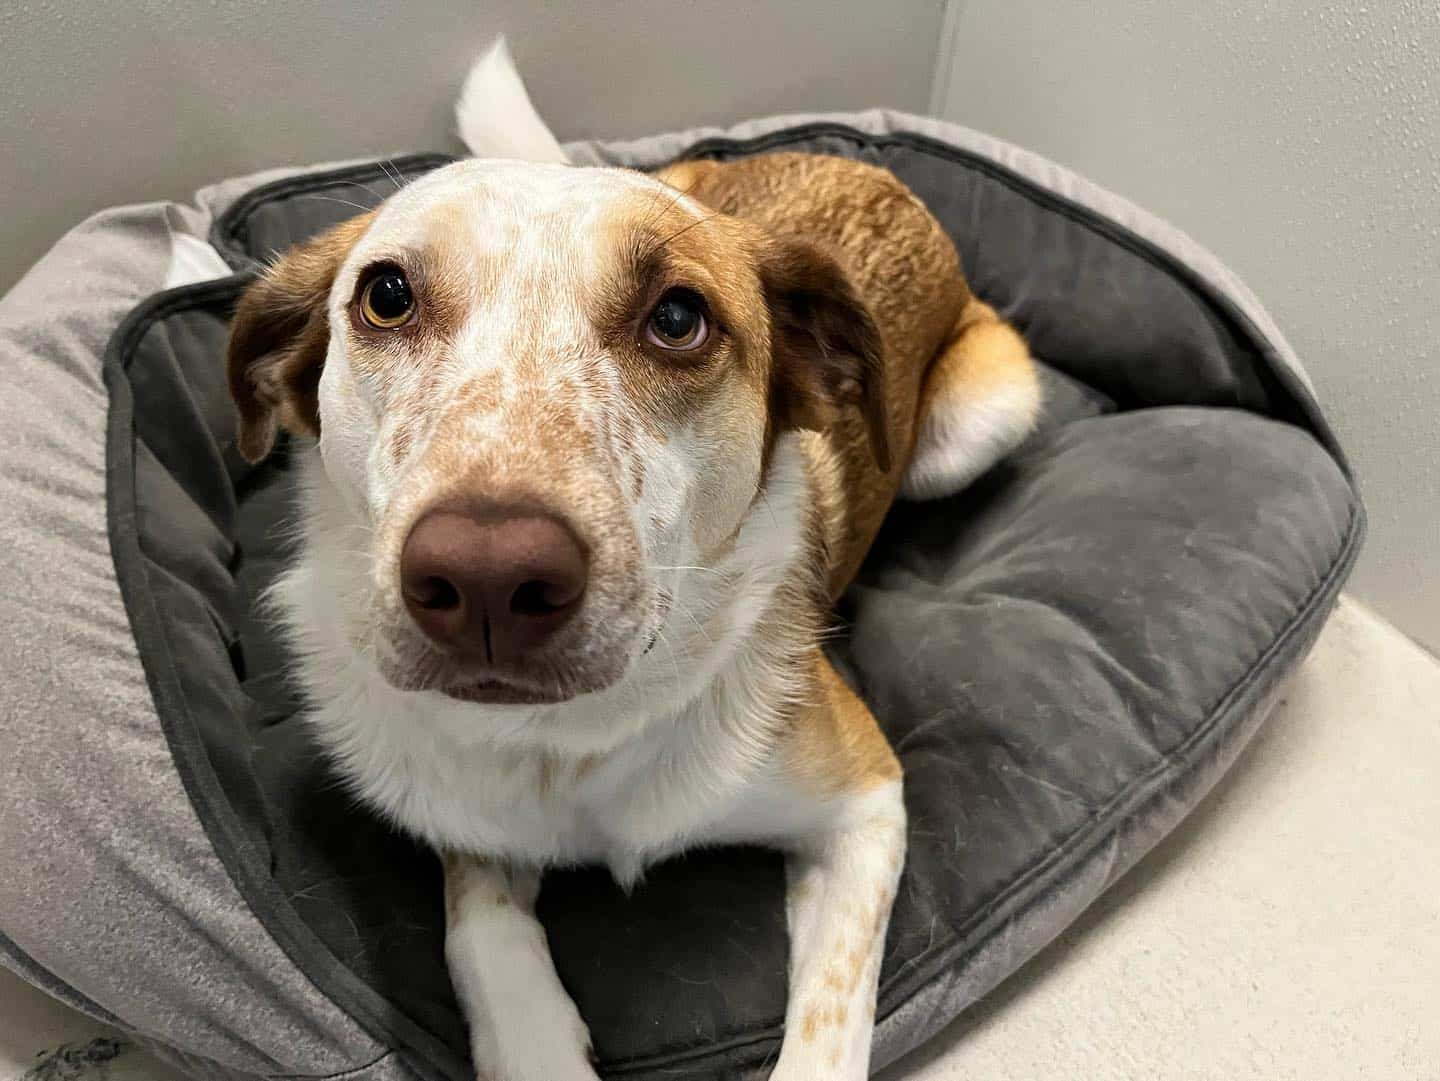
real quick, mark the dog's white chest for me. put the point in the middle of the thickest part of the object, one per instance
(624, 809)
(704, 773)
(529, 806)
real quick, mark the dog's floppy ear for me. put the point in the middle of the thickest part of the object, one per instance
(828, 351)
(279, 337)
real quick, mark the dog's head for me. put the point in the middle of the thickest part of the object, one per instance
(544, 394)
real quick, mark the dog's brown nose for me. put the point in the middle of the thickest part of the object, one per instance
(492, 584)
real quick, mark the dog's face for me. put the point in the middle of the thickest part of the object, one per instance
(546, 394)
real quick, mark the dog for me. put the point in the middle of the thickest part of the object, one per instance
(590, 455)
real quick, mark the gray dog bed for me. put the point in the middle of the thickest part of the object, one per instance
(1066, 656)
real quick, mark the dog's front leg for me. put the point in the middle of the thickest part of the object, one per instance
(840, 886)
(523, 1026)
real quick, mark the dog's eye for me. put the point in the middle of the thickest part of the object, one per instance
(386, 301)
(678, 322)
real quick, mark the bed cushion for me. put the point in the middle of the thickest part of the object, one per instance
(1066, 657)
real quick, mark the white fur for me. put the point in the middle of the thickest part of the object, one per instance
(963, 436)
(191, 259)
(840, 888)
(523, 1026)
(495, 116)
(682, 749)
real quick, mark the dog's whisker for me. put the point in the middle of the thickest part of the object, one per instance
(680, 567)
(657, 210)
(764, 498)
(683, 230)
(675, 604)
(386, 165)
(337, 199)
(679, 680)
(366, 188)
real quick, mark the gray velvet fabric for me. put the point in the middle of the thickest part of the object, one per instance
(1066, 657)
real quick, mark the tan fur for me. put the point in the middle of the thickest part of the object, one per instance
(452, 863)
(278, 339)
(905, 270)
(836, 745)
(985, 353)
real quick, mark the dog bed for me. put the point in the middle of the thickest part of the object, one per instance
(1066, 656)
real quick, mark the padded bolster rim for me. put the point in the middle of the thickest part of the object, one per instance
(1170, 799)
(426, 1057)
(230, 232)
(22, 964)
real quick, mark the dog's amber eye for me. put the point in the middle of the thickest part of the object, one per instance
(386, 301)
(678, 322)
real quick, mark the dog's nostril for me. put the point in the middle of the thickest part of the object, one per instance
(436, 595)
(537, 598)
(492, 583)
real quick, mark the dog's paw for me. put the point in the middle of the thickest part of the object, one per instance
(816, 1072)
(543, 1073)
(815, 1062)
(555, 1048)
(547, 1060)
(540, 1067)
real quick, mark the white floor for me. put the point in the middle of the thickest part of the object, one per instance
(41, 1040)
(1289, 929)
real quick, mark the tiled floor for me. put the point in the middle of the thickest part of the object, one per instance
(1289, 929)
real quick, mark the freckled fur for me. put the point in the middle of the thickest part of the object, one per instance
(727, 498)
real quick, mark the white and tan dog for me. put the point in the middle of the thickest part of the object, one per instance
(596, 451)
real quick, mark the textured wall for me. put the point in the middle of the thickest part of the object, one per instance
(114, 102)
(1299, 141)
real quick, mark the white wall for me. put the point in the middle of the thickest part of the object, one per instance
(126, 100)
(1301, 143)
